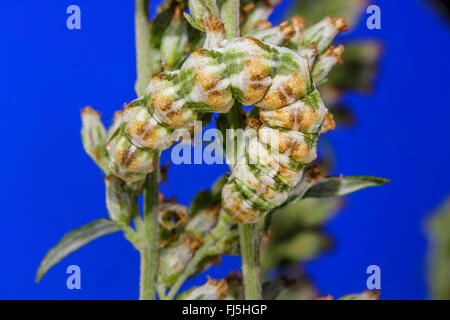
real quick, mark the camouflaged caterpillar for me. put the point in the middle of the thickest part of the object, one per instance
(276, 79)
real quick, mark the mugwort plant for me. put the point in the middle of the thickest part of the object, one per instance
(202, 57)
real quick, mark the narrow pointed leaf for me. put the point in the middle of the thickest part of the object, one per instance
(74, 240)
(340, 186)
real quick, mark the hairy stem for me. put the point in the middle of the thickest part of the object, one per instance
(229, 12)
(150, 246)
(250, 240)
(143, 52)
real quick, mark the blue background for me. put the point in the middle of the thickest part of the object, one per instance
(50, 186)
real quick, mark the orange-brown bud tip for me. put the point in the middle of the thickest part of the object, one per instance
(248, 7)
(215, 25)
(298, 22)
(336, 51)
(314, 173)
(341, 24)
(89, 110)
(264, 25)
(328, 123)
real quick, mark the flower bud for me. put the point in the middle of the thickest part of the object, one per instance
(323, 32)
(175, 258)
(326, 62)
(199, 12)
(211, 290)
(203, 222)
(119, 200)
(226, 235)
(93, 135)
(174, 40)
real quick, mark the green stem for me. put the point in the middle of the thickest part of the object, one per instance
(143, 52)
(229, 12)
(150, 246)
(250, 240)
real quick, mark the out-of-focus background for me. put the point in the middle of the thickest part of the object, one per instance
(50, 185)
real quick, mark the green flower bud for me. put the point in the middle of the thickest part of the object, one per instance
(119, 200)
(93, 135)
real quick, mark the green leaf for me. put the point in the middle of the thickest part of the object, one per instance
(206, 198)
(340, 186)
(74, 240)
(193, 22)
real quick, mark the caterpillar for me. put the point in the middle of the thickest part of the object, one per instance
(276, 79)
(244, 69)
(286, 138)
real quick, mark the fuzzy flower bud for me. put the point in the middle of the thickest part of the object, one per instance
(323, 33)
(174, 40)
(328, 60)
(93, 135)
(119, 200)
(203, 222)
(175, 258)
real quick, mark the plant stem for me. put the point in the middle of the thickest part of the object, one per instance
(250, 234)
(250, 240)
(229, 12)
(143, 52)
(150, 246)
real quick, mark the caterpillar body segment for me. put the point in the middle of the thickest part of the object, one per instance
(275, 158)
(245, 69)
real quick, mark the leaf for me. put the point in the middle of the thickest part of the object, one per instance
(193, 22)
(206, 198)
(340, 186)
(74, 240)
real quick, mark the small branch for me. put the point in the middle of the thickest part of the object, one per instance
(143, 52)
(250, 240)
(150, 247)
